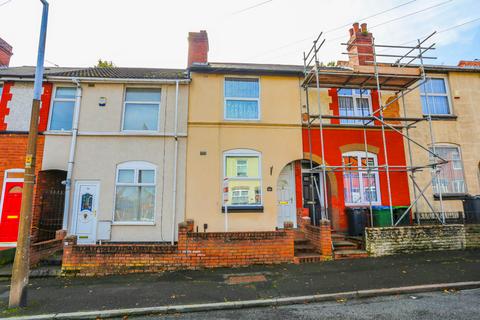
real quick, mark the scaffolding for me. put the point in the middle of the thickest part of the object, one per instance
(402, 76)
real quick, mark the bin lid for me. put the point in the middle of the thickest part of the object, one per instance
(380, 207)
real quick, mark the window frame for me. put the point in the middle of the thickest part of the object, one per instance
(50, 112)
(452, 181)
(241, 98)
(243, 153)
(447, 94)
(122, 128)
(136, 166)
(354, 97)
(360, 155)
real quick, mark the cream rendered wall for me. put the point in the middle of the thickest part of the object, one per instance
(277, 136)
(462, 131)
(101, 146)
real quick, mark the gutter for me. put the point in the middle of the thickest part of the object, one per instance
(71, 157)
(103, 80)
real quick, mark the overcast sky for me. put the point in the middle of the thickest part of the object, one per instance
(153, 33)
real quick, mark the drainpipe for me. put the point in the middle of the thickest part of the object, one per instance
(175, 157)
(71, 157)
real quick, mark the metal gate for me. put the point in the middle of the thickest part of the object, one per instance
(51, 214)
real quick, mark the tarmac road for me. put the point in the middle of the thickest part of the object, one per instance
(458, 305)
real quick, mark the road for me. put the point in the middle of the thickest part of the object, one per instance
(460, 305)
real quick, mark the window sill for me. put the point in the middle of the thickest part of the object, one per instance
(445, 117)
(133, 223)
(451, 196)
(243, 209)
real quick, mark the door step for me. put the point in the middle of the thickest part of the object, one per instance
(344, 245)
(350, 254)
(307, 258)
(304, 248)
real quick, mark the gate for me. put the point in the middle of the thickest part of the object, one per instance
(51, 214)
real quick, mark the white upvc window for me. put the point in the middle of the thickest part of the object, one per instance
(435, 97)
(360, 186)
(451, 177)
(63, 105)
(135, 191)
(242, 167)
(354, 102)
(141, 109)
(242, 99)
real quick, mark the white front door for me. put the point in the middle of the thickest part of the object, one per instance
(85, 212)
(286, 197)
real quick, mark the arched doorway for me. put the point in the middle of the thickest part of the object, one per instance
(286, 199)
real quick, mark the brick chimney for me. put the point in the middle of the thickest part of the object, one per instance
(360, 35)
(469, 64)
(197, 47)
(5, 53)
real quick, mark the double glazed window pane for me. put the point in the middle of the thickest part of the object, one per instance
(450, 178)
(62, 115)
(353, 103)
(244, 183)
(244, 192)
(435, 105)
(141, 109)
(360, 186)
(242, 167)
(433, 85)
(241, 99)
(134, 204)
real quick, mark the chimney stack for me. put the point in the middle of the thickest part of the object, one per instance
(469, 64)
(360, 45)
(5, 53)
(197, 47)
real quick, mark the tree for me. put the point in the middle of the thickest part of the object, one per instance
(105, 64)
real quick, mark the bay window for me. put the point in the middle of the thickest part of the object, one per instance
(242, 100)
(243, 170)
(63, 105)
(360, 186)
(450, 178)
(434, 95)
(354, 102)
(135, 193)
(141, 109)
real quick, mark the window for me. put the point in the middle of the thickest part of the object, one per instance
(359, 185)
(1, 91)
(242, 168)
(142, 109)
(450, 178)
(434, 97)
(62, 108)
(135, 193)
(354, 102)
(242, 99)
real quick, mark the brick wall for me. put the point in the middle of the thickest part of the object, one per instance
(472, 236)
(319, 236)
(193, 251)
(395, 240)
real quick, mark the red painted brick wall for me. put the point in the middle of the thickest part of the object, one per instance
(193, 251)
(4, 99)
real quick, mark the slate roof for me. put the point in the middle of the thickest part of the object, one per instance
(107, 73)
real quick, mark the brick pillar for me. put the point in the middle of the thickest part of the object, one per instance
(182, 235)
(288, 228)
(190, 225)
(326, 238)
(68, 244)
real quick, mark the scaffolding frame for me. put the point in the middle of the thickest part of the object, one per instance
(402, 83)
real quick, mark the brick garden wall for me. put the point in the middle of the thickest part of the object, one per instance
(319, 236)
(193, 251)
(472, 236)
(395, 240)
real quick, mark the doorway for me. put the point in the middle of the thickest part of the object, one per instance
(85, 212)
(286, 197)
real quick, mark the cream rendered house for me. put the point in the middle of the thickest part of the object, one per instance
(120, 133)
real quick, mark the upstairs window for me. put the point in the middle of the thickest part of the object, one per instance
(62, 108)
(360, 186)
(135, 193)
(242, 99)
(434, 95)
(242, 168)
(142, 109)
(354, 103)
(450, 178)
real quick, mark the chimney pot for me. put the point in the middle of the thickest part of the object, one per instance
(364, 27)
(355, 27)
(351, 32)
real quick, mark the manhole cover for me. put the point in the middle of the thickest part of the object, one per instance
(246, 279)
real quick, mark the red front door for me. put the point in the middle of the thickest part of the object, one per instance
(12, 201)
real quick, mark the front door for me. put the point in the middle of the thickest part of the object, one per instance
(85, 210)
(10, 215)
(286, 197)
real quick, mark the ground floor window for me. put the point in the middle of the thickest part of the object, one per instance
(360, 185)
(135, 192)
(242, 169)
(450, 178)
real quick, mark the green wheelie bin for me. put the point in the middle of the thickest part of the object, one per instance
(381, 216)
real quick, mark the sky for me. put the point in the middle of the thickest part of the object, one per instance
(153, 33)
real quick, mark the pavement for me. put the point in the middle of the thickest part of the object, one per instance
(445, 305)
(67, 294)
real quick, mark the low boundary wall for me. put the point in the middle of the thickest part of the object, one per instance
(193, 251)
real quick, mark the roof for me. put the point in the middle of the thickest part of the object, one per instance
(106, 73)
(247, 68)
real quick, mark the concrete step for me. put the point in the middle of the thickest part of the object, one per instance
(301, 241)
(344, 245)
(307, 258)
(304, 248)
(349, 254)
